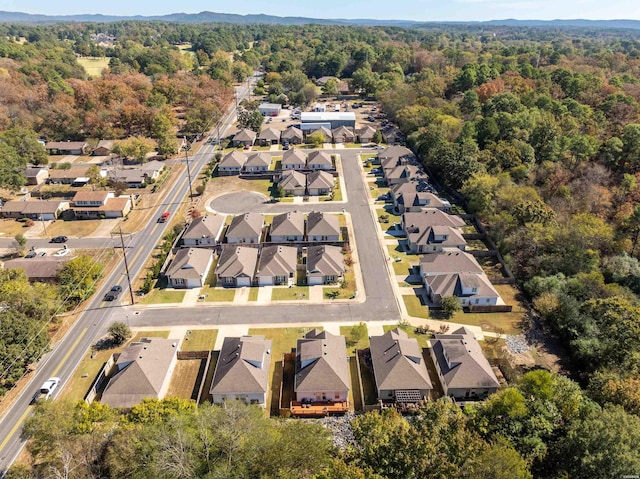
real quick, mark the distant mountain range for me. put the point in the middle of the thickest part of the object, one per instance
(212, 17)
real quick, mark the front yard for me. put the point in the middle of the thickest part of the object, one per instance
(199, 340)
(295, 293)
(163, 296)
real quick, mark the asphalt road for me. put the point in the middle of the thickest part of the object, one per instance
(94, 320)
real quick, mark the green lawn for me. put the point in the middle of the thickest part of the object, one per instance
(401, 267)
(368, 383)
(199, 340)
(150, 334)
(362, 343)
(415, 308)
(423, 339)
(355, 398)
(162, 296)
(342, 293)
(218, 295)
(376, 191)
(296, 293)
(86, 372)
(253, 294)
(366, 156)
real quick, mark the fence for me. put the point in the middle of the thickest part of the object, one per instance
(100, 380)
(207, 355)
(360, 379)
(186, 355)
(490, 309)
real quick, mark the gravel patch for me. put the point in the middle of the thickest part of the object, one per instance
(340, 427)
(517, 344)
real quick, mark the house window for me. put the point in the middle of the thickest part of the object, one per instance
(330, 279)
(477, 301)
(474, 290)
(228, 280)
(487, 300)
(281, 279)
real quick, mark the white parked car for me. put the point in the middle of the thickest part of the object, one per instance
(62, 252)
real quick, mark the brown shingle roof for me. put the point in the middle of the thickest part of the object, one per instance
(269, 134)
(398, 362)
(326, 260)
(462, 362)
(288, 224)
(207, 226)
(141, 372)
(236, 261)
(189, 263)
(319, 158)
(321, 363)
(245, 135)
(246, 225)
(277, 260)
(320, 179)
(91, 196)
(322, 224)
(235, 159)
(243, 366)
(294, 156)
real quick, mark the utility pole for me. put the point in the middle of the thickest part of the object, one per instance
(186, 156)
(126, 264)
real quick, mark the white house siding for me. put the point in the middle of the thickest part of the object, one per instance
(243, 281)
(259, 399)
(324, 238)
(337, 396)
(265, 281)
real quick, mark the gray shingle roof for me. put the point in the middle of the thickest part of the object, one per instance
(426, 235)
(207, 226)
(451, 284)
(245, 135)
(288, 224)
(246, 225)
(449, 261)
(141, 372)
(235, 159)
(277, 260)
(431, 217)
(38, 268)
(291, 133)
(243, 366)
(322, 224)
(189, 263)
(321, 363)
(320, 179)
(269, 134)
(398, 362)
(461, 361)
(319, 158)
(236, 261)
(294, 156)
(397, 152)
(258, 160)
(292, 180)
(326, 260)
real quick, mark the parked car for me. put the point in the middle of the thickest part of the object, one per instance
(62, 252)
(164, 217)
(285, 146)
(59, 239)
(46, 390)
(30, 254)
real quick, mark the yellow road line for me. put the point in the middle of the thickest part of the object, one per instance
(15, 427)
(66, 356)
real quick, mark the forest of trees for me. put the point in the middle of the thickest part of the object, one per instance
(544, 426)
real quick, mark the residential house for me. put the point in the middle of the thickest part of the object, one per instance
(322, 368)
(244, 137)
(404, 174)
(67, 177)
(424, 238)
(257, 163)
(269, 136)
(100, 204)
(66, 147)
(236, 266)
(287, 227)
(366, 134)
(242, 371)
(322, 81)
(392, 135)
(462, 368)
(39, 270)
(232, 163)
(457, 273)
(320, 183)
(399, 368)
(189, 268)
(325, 265)
(293, 183)
(292, 135)
(322, 227)
(294, 159)
(277, 265)
(414, 197)
(319, 160)
(246, 228)
(324, 131)
(104, 148)
(36, 176)
(204, 231)
(401, 154)
(36, 210)
(152, 169)
(343, 134)
(431, 230)
(143, 370)
(132, 177)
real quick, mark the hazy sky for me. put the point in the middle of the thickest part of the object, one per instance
(422, 10)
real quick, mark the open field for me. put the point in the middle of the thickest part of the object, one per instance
(199, 340)
(93, 66)
(226, 184)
